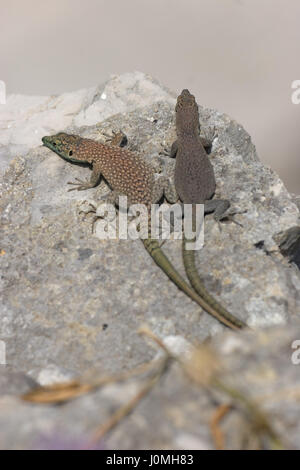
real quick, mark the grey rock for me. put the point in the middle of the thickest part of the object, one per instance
(289, 244)
(296, 200)
(53, 374)
(70, 299)
(261, 365)
(15, 383)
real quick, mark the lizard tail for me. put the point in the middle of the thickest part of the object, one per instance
(153, 248)
(197, 284)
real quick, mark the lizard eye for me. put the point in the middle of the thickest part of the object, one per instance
(70, 153)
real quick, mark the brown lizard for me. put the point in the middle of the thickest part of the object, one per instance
(195, 184)
(127, 174)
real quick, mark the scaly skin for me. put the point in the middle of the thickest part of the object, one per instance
(127, 174)
(195, 184)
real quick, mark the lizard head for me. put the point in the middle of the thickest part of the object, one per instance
(65, 145)
(187, 115)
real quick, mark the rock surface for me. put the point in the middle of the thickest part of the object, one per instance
(71, 303)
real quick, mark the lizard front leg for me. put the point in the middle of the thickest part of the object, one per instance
(82, 185)
(174, 147)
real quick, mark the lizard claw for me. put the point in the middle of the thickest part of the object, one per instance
(91, 210)
(80, 186)
(219, 225)
(77, 179)
(230, 218)
(119, 139)
(227, 218)
(164, 151)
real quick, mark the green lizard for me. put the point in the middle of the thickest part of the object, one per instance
(195, 184)
(130, 175)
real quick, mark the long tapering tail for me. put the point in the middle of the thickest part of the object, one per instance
(198, 286)
(153, 248)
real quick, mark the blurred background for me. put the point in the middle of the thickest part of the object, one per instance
(239, 56)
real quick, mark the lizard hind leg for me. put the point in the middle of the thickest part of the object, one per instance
(111, 199)
(82, 185)
(97, 210)
(163, 186)
(220, 208)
